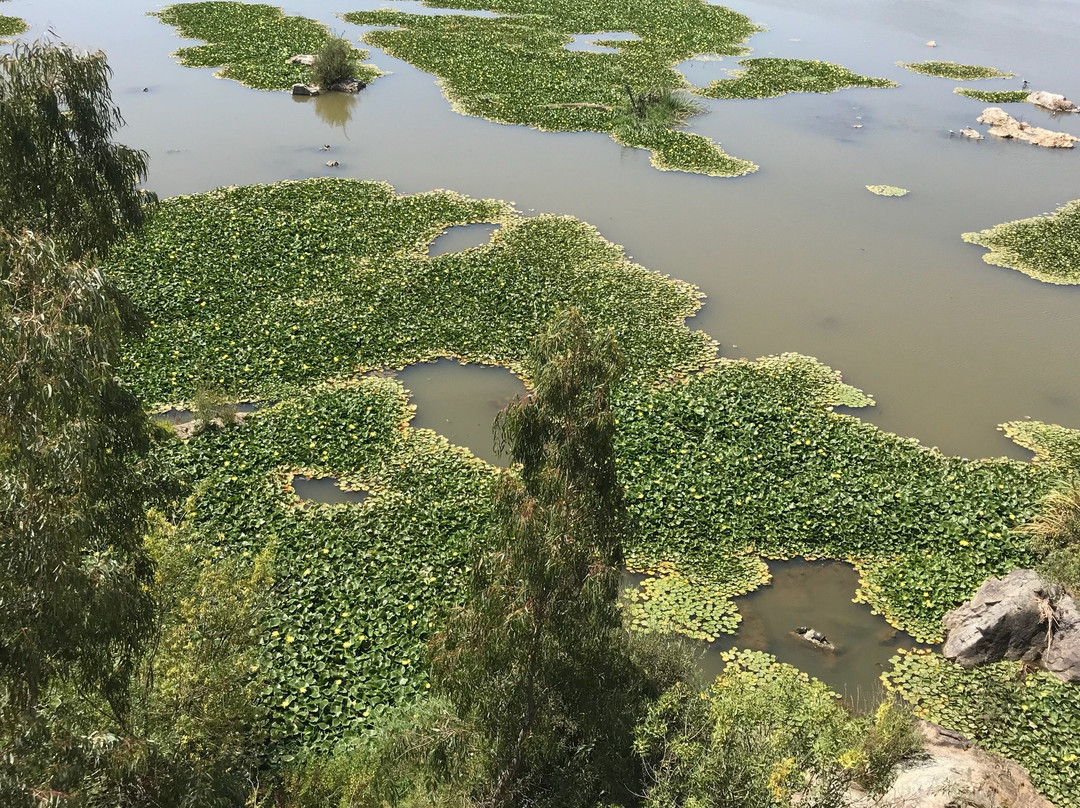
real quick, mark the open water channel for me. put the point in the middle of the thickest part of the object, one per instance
(795, 257)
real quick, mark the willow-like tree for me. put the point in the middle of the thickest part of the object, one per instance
(61, 175)
(76, 474)
(538, 663)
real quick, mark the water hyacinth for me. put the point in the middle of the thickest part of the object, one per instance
(251, 43)
(768, 77)
(887, 190)
(952, 70)
(1045, 247)
(993, 96)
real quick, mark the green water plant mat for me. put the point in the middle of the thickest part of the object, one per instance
(11, 26)
(263, 290)
(887, 190)
(993, 96)
(515, 68)
(251, 43)
(1026, 715)
(768, 77)
(1045, 247)
(952, 70)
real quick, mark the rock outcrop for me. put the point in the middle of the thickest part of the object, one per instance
(305, 89)
(306, 59)
(1052, 102)
(1019, 617)
(1004, 125)
(814, 637)
(351, 86)
(974, 134)
(953, 772)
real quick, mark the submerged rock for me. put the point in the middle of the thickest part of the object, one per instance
(306, 59)
(1019, 617)
(814, 637)
(305, 89)
(1004, 125)
(351, 86)
(953, 772)
(1052, 101)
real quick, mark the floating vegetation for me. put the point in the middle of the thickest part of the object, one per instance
(887, 190)
(766, 78)
(263, 290)
(358, 588)
(1053, 445)
(251, 43)
(952, 70)
(516, 68)
(1029, 716)
(1045, 247)
(994, 96)
(748, 460)
(695, 602)
(11, 26)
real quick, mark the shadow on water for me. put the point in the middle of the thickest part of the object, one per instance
(462, 237)
(325, 491)
(460, 401)
(815, 594)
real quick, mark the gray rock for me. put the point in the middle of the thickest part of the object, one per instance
(1021, 616)
(305, 89)
(351, 86)
(814, 637)
(306, 59)
(953, 772)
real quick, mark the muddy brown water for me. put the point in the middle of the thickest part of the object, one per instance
(796, 257)
(461, 401)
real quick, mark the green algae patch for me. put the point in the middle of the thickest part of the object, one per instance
(994, 96)
(359, 588)
(1045, 247)
(251, 43)
(261, 291)
(887, 190)
(952, 70)
(769, 77)
(747, 460)
(1028, 716)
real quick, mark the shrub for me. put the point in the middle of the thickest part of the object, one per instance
(335, 61)
(1055, 536)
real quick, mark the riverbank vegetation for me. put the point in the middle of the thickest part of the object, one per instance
(1045, 247)
(1024, 714)
(952, 70)
(252, 43)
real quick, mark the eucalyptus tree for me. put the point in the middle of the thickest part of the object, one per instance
(77, 471)
(538, 663)
(61, 175)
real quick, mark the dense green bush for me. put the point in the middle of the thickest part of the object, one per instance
(336, 61)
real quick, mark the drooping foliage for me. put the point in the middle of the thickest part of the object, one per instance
(76, 473)
(61, 174)
(537, 661)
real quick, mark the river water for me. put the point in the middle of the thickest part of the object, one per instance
(796, 257)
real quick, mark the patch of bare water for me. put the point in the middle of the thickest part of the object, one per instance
(325, 491)
(462, 237)
(461, 401)
(816, 595)
(590, 43)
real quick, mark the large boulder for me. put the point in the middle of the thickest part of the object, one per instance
(1021, 616)
(1051, 101)
(1004, 125)
(953, 772)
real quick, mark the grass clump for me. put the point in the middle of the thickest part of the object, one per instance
(1031, 717)
(1055, 536)
(251, 43)
(515, 69)
(887, 190)
(264, 290)
(952, 70)
(994, 96)
(748, 460)
(336, 61)
(769, 77)
(1045, 247)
